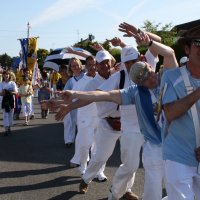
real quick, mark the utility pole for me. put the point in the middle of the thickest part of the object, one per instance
(28, 28)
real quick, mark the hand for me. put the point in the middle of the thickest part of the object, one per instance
(197, 151)
(129, 29)
(66, 95)
(97, 47)
(115, 41)
(51, 104)
(64, 110)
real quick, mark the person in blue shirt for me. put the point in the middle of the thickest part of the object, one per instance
(182, 111)
(145, 96)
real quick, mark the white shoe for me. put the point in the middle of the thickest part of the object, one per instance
(101, 177)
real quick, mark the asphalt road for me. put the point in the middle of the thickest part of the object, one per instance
(34, 164)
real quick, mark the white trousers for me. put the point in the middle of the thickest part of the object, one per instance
(131, 142)
(32, 106)
(154, 171)
(83, 144)
(26, 107)
(70, 127)
(124, 177)
(8, 118)
(105, 143)
(182, 181)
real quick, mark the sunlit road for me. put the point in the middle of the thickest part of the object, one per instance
(34, 164)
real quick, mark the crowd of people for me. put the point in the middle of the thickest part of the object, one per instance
(156, 110)
(17, 92)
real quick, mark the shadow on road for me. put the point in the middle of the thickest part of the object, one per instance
(61, 181)
(19, 174)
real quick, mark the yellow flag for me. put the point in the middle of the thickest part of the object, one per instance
(32, 53)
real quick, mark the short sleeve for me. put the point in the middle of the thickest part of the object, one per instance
(167, 89)
(151, 59)
(128, 95)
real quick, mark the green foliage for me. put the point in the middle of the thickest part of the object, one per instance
(5, 60)
(164, 31)
(41, 55)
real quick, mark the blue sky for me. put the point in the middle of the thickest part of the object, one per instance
(61, 23)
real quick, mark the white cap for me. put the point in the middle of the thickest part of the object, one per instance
(102, 55)
(183, 60)
(129, 53)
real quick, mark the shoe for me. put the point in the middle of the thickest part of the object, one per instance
(5, 133)
(32, 117)
(69, 144)
(9, 130)
(83, 187)
(101, 177)
(26, 124)
(130, 196)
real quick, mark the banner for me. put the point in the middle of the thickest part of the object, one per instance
(32, 53)
(36, 78)
(24, 50)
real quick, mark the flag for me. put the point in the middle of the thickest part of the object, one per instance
(36, 78)
(32, 53)
(24, 50)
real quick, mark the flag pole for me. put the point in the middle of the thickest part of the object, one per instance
(28, 29)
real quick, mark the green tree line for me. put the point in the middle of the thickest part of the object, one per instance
(166, 32)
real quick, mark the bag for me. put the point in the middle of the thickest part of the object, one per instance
(115, 123)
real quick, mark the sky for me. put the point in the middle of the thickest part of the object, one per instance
(62, 23)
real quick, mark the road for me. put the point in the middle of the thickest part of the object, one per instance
(34, 164)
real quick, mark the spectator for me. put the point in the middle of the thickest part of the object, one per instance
(8, 89)
(26, 91)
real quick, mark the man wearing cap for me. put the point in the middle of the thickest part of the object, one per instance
(182, 133)
(143, 75)
(104, 61)
(131, 140)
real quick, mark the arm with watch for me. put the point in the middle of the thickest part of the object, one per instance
(138, 34)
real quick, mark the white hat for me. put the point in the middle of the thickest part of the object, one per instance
(183, 60)
(129, 53)
(102, 55)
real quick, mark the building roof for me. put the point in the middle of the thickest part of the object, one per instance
(186, 26)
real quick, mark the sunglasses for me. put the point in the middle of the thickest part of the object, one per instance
(196, 43)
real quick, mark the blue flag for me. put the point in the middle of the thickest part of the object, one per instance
(24, 50)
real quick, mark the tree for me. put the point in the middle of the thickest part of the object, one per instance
(164, 31)
(41, 55)
(5, 60)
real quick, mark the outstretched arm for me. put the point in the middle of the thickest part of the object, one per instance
(93, 96)
(154, 46)
(66, 108)
(138, 34)
(79, 53)
(117, 42)
(131, 30)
